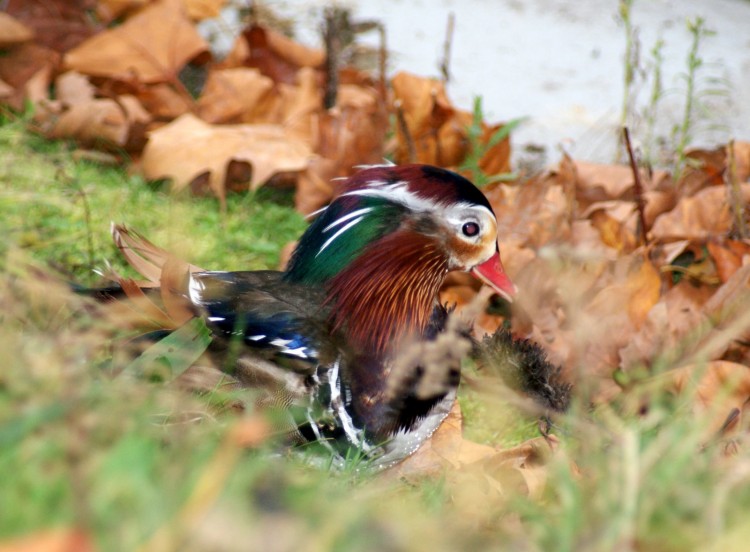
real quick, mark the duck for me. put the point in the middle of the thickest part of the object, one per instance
(340, 340)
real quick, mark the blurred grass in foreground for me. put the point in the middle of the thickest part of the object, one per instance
(145, 466)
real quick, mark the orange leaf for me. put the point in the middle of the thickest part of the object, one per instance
(20, 66)
(720, 387)
(188, 148)
(152, 46)
(100, 121)
(277, 56)
(235, 95)
(203, 9)
(697, 217)
(57, 24)
(12, 31)
(727, 263)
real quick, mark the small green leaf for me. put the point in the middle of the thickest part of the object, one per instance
(171, 356)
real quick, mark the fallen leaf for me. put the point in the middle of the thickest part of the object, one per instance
(725, 260)
(719, 387)
(314, 187)
(101, 121)
(12, 31)
(57, 24)
(697, 217)
(277, 56)
(741, 161)
(151, 46)
(108, 10)
(73, 88)
(668, 324)
(199, 10)
(188, 147)
(235, 96)
(22, 64)
(164, 102)
(426, 108)
(705, 168)
(533, 214)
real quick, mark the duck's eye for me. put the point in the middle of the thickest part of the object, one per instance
(470, 229)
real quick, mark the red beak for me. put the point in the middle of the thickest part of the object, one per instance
(492, 273)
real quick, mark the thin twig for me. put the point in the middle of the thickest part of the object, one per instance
(383, 59)
(412, 151)
(638, 185)
(736, 203)
(445, 64)
(332, 41)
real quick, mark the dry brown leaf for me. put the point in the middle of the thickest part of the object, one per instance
(73, 88)
(240, 95)
(613, 233)
(700, 216)
(237, 55)
(277, 56)
(426, 108)
(12, 31)
(741, 248)
(57, 24)
(353, 132)
(199, 10)
(635, 292)
(108, 10)
(54, 540)
(742, 161)
(101, 121)
(151, 47)
(705, 168)
(22, 66)
(658, 202)
(6, 91)
(725, 260)
(314, 186)
(587, 242)
(598, 182)
(301, 106)
(188, 148)
(164, 102)
(720, 387)
(496, 160)
(531, 214)
(668, 324)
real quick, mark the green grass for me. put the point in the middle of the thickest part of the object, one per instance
(59, 211)
(145, 466)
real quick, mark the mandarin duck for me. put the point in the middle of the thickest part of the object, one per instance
(324, 337)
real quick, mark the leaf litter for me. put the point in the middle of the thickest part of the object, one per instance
(608, 300)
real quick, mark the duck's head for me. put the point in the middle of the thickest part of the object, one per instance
(383, 247)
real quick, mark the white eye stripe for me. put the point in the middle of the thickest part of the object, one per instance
(338, 233)
(351, 215)
(398, 193)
